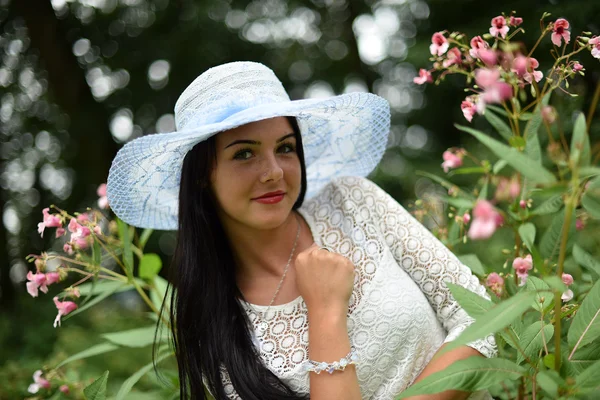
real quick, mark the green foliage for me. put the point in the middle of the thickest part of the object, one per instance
(586, 324)
(97, 390)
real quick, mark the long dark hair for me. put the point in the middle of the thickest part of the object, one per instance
(210, 328)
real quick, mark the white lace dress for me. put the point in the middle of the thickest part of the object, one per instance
(400, 310)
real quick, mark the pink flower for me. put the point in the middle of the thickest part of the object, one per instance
(60, 232)
(103, 200)
(577, 66)
(499, 27)
(36, 281)
(454, 57)
(488, 57)
(485, 221)
(494, 91)
(549, 114)
(424, 77)
(452, 159)
(567, 295)
(567, 279)
(508, 189)
(595, 42)
(469, 108)
(52, 277)
(439, 44)
(579, 224)
(78, 232)
(38, 382)
(515, 21)
(523, 204)
(537, 75)
(67, 248)
(50, 221)
(520, 65)
(466, 218)
(83, 218)
(477, 43)
(559, 31)
(64, 389)
(64, 308)
(522, 267)
(495, 282)
(97, 230)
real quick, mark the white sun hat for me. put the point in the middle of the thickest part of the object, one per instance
(342, 135)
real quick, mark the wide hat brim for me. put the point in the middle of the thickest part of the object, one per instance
(342, 136)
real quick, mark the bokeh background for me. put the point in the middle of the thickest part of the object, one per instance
(79, 78)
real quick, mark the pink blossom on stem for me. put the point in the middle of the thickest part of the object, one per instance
(515, 21)
(452, 159)
(537, 75)
(60, 232)
(98, 230)
(424, 77)
(477, 44)
(488, 57)
(78, 232)
(508, 189)
(469, 107)
(439, 44)
(499, 27)
(52, 277)
(49, 221)
(466, 218)
(567, 279)
(83, 218)
(595, 42)
(494, 91)
(522, 266)
(523, 204)
(560, 32)
(577, 66)
(495, 282)
(103, 200)
(36, 281)
(454, 57)
(38, 382)
(68, 248)
(549, 114)
(579, 224)
(64, 308)
(485, 221)
(64, 389)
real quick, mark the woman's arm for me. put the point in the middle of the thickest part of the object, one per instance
(440, 362)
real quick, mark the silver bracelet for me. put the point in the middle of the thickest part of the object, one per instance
(318, 367)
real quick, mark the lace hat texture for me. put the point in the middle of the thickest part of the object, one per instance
(341, 135)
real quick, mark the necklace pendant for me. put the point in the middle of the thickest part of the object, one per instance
(261, 328)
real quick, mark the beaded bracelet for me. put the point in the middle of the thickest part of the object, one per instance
(318, 367)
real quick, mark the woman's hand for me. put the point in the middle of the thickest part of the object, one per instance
(324, 280)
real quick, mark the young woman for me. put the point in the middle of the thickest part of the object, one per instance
(293, 276)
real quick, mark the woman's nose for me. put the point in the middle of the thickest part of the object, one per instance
(272, 171)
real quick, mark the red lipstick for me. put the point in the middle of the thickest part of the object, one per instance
(271, 197)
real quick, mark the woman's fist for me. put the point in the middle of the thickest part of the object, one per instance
(324, 280)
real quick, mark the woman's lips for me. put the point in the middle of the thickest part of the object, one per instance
(271, 199)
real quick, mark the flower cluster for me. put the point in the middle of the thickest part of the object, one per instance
(499, 69)
(486, 219)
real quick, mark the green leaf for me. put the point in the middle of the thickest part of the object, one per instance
(547, 381)
(525, 165)
(501, 127)
(544, 292)
(445, 183)
(550, 242)
(472, 261)
(512, 334)
(96, 300)
(127, 251)
(97, 390)
(139, 337)
(586, 172)
(554, 282)
(497, 318)
(144, 237)
(517, 142)
(527, 233)
(470, 374)
(157, 295)
(101, 286)
(580, 144)
(473, 304)
(589, 379)
(533, 339)
(532, 147)
(585, 327)
(97, 253)
(586, 260)
(458, 202)
(500, 164)
(591, 198)
(585, 357)
(550, 206)
(467, 171)
(132, 380)
(92, 351)
(150, 266)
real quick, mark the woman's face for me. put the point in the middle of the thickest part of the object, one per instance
(252, 161)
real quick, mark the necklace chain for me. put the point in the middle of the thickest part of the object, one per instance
(264, 315)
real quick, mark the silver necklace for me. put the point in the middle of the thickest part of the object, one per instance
(263, 324)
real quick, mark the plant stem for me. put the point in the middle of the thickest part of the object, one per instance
(593, 106)
(538, 42)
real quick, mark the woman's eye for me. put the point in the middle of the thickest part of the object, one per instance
(286, 148)
(243, 155)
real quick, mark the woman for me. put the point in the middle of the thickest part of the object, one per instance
(295, 276)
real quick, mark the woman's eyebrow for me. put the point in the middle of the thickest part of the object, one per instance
(254, 142)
